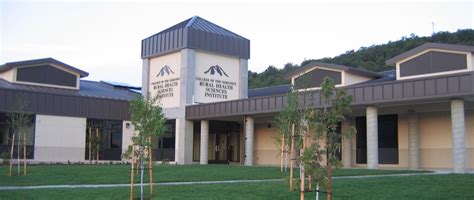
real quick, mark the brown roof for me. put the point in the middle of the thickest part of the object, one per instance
(452, 47)
(11, 65)
(352, 70)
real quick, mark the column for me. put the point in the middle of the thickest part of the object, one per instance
(243, 78)
(413, 151)
(372, 138)
(346, 146)
(249, 134)
(458, 131)
(145, 76)
(204, 142)
(184, 141)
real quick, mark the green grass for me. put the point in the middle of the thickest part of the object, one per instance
(106, 174)
(410, 187)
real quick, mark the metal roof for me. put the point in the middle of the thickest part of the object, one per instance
(352, 70)
(267, 91)
(87, 89)
(429, 45)
(196, 33)
(11, 65)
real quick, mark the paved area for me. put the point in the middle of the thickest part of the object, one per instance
(201, 182)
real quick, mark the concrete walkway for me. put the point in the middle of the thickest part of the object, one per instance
(199, 182)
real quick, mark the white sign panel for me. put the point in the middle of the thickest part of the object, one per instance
(217, 78)
(165, 79)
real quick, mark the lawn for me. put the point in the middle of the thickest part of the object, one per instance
(106, 174)
(408, 187)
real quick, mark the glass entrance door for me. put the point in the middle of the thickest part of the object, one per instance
(220, 148)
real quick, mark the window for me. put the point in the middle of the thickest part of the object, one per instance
(46, 74)
(164, 146)
(109, 136)
(314, 78)
(6, 135)
(433, 62)
(387, 139)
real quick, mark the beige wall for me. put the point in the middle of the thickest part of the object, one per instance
(127, 134)
(168, 85)
(434, 142)
(7, 75)
(213, 88)
(350, 79)
(265, 150)
(59, 139)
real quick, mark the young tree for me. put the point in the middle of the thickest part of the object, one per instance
(18, 122)
(288, 124)
(148, 120)
(319, 159)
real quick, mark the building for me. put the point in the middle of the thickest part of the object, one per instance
(65, 109)
(419, 115)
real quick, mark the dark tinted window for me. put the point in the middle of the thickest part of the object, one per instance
(315, 78)
(432, 62)
(387, 139)
(46, 74)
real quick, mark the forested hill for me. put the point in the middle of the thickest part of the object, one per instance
(370, 58)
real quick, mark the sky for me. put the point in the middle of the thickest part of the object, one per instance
(103, 37)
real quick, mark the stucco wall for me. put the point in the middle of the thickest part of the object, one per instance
(165, 81)
(265, 150)
(435, 140)
(350, 79)
(59, 139)
(7, 75)
(212, 85)
(127, 134)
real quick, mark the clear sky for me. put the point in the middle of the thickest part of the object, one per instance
(103, 37)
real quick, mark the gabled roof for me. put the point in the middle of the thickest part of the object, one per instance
(352, 70)
(196, 33)
(10, 65)
(452, 47)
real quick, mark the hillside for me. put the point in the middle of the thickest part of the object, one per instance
(370, 58)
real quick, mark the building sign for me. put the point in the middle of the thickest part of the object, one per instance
(217, 78)
(165, 79)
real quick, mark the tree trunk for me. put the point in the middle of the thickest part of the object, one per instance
(282, 146)
(150, 168)
(90, 145)
(18, 154)
(292, 155)
(302, 176)
(302, 182)
(141, 172)
(131, 174)
(329, 181)
(98, 144)
(24, 154)
(310, 180)
(11, 153)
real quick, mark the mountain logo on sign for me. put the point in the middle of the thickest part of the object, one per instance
(216, 69)
(165, 70)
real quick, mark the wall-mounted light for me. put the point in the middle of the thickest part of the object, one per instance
(127, 125)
